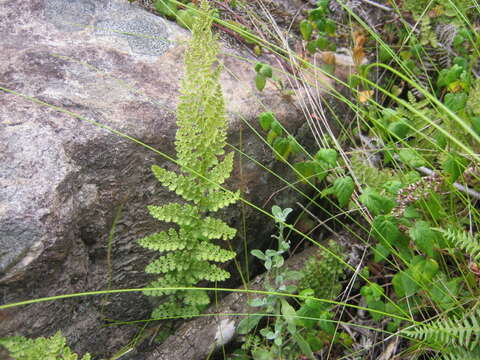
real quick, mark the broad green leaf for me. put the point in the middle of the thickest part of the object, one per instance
(424, 270)
(325, 324)
(392, 186)
(303, 345)
(306, 29)
(288, 312)
(266, 71)
(260, 82)
(271, 136)
(327, 155)
(447, 76)
(454, 166)
(282, 147)
(376, 203)
(320, 24)
(343, 189)
(372, 290)
(381, 252)
(275, 126)
(411, 157)
(424, 237)
(258, 254)
(248, 323)
(307, 169)
(444, 292)
(456, 102)
(403, 284)
(399, 128)
(311, 309)
(475, 120)
(265, 119)
(322, 43)
(385, 230)
(376, 305)
(317, 14)
(311, 46)
(294, 145)
(166, 7)
(262, 354)
(315, 343)
(330, 27)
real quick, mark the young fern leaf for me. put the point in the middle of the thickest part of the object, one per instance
(450, 332)
(462, 239)
(186, 252)
(459, 353)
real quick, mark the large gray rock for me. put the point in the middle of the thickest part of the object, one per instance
(63, 179)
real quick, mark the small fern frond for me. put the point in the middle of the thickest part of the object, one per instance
(183, 215)
(212, 228)
(165, 241)
(174, 308)
(459, 353)
(220, 171)
(196, 298)
(54, 347)
(178, 261)
(464, 240)
(220, 199)
(211, 252)
(449, 332)
(211, 272)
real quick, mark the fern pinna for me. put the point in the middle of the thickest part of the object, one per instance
(187, 251)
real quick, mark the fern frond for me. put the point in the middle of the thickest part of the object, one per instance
(174, 308)
(459, 353)
(165, 241)
(186, 215)
(180, 184)
(212, 228)
(54, 347)
(220, 172)
(220, 199)
(211, 252)
(211, 272)
(449, 332)
(199, 142)
(464, 240)
(179, 261)
(196, 298)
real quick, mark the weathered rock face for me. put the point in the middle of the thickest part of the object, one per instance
(63, 180)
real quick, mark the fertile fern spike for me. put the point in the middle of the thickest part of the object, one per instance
(450, 332)
(186, 252)
(464, 240)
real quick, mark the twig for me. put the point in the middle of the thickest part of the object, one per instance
(380, 6)
(465, 189)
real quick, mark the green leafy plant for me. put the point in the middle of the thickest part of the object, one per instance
(317, 27)
(187, 252)
(274, 281)
(323, 273)
(52, 348)
(457, 336)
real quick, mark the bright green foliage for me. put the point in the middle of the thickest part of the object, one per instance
(369, 175)
(323, 273)
(343, 189)
(450, 332)
(52, 348)
(186, 252)
(463, 240)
